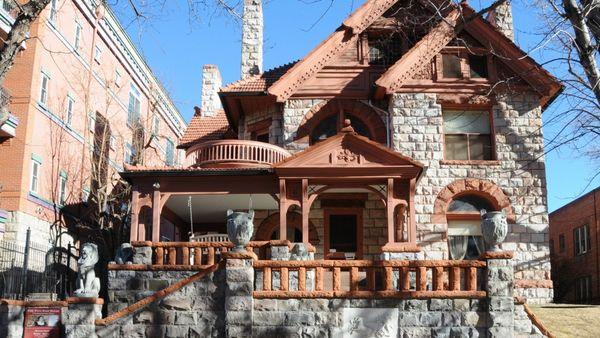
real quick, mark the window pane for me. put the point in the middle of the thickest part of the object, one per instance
(469, 203)
(481, 147)
(466, 121)
(451, 66)
(478, 64)
(456, 147)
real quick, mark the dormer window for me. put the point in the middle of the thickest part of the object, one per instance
(384, 49)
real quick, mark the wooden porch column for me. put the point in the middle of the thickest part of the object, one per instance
(282, 210)
(305, 210)
(412, 233)
(390, 210)
(135, 210)
(156, 213)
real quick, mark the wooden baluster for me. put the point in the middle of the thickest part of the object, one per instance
(354, 278)
(185, 256)
(211, 256)
(319, 279)
(471, 282)
(197, 256)
(455, 278)
(301, 279)
(370, 279)
(438, 278)
(284, 279)
(421, 278)
(160, 256)
(336, 279)
(266, 279)
(172, 256)
(389, 278)
(405, 277)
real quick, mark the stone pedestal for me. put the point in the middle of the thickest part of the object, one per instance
(239, 303)
(79, 317)
(499, 286)
(142, 255)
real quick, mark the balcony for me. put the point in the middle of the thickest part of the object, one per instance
(237, 153)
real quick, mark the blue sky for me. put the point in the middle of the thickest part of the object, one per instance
(176, 46)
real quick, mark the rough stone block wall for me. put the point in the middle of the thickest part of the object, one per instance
(519, 172)
(196, 310)
(293, 115)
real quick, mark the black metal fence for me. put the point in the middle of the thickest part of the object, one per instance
(36, 269)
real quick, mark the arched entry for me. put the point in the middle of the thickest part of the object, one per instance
(269, 228)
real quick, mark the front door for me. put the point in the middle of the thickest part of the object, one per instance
(343, 233)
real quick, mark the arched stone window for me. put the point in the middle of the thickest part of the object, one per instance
(465, 240)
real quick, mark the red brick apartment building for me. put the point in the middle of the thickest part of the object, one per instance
(574, 250)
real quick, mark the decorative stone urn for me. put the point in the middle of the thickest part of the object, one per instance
(240, 228)
(494, 228)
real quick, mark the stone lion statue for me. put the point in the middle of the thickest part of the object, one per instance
(88, 285)
(240, 228)
(124, 254)
(299, 253)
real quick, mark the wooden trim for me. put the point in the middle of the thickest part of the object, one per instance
(358, 212)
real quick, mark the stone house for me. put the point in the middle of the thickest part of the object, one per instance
(375, 155)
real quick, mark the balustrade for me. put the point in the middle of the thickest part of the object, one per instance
(237, 153)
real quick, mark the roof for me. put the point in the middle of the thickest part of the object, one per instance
(205, 128)
(575, 201)
(131, 170)
(258, 83)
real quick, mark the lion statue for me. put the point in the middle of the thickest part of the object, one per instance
(88, 285)
(240, 227)
(299, 253)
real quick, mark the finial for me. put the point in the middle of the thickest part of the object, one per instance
(347, 127)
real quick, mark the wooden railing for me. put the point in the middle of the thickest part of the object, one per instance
(369, 279)
(237, 153)
(197, 253)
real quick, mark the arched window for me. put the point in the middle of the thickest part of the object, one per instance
(330, 125)
(465, 240)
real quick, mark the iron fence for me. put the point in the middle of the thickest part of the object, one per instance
(36, 269)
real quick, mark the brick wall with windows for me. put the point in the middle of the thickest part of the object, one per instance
(575, 259)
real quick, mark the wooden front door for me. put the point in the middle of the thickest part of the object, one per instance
(343, 233)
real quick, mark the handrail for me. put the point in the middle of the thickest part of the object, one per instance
(366, 279)
(231, 153)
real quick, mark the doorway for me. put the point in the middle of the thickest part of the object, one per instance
(343, 233)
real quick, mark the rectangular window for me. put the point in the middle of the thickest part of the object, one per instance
(561, 243)
(62, 188)
(44, 88)
(92, 122)
(70, 107)
(35, 174)
(169, 153)
(53, 10)
(384, 50)
(583, 291)
(156, 125)
(451, 66)
(129, 154)
(117, 78)
(78, 32)
(134, 108)
(478, 65)
(581, 240)
(85, 194)
(467, 135)
(97, 54)
(112, 142)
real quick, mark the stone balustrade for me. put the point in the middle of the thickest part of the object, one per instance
(237, 153)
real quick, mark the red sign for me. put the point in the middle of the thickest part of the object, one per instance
(42, 322)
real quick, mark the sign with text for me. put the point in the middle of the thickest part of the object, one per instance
(42, 322)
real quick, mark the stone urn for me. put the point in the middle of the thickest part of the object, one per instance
(240, 228)
(494, 228)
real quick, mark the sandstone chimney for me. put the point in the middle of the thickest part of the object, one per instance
(211, 82)
(252, 38)
(502, 18)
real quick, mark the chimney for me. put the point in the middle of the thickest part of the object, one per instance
(502, 18)
(211, 82)
(252, 38)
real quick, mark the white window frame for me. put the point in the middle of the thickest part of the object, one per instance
(34, 175)
(134, 94)
(92, 121)
(169, 145)
(97, 54)
(62, 188)
(78, 32)
(118, 77)
(581, 240)
(53, 10)
(44, 89)
(156, 125)
(85, 194)
(69, 110)
(112, 142)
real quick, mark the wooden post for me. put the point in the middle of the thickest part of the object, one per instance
(135, 210)
(282, 210)
(301, 279)
(319, 279)
(336, 279)
(390, 210)
(305, 210)
(267, 279)
(156, 214)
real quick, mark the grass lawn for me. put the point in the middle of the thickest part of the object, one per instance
(570, 320)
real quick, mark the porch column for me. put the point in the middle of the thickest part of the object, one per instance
(305, 210)
(135, 210)
(282, 210)
(390, 210)
(156, 213)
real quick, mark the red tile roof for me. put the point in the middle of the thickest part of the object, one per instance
(205, 128)
(258, 83)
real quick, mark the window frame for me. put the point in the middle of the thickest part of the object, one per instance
(463, 53)
(69, 109)
(169, 152)
(53, 11)
(134, 94)
(118, 77)
(78, 33)
(562, 245)
(97, 54)
(581, 246)
(62, 188)
(492, 134)
(44, 89)
(36, 166)
(583, 289)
